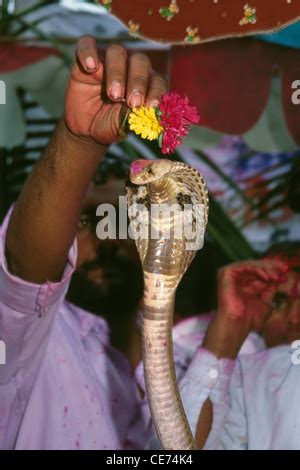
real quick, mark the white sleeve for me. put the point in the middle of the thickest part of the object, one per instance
(229, 429)
(206, 377)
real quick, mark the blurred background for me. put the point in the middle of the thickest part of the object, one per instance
(248, 174)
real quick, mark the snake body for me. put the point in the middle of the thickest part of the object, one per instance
(164, 261)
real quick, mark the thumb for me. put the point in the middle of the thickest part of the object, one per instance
(108, 127)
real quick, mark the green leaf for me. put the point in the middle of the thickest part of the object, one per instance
(164, 12)
(24, 27)
(160, 140)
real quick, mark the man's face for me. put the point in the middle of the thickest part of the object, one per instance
(283, 324)
(108, 279)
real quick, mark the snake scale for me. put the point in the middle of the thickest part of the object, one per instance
(164, 261)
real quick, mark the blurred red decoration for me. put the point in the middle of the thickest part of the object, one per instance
(193, 21)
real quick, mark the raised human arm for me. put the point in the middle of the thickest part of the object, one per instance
(45, 219)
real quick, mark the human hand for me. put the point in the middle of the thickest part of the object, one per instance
(245, 294)
(99, 92)
(246, 290)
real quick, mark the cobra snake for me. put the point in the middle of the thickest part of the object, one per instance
(164, 262)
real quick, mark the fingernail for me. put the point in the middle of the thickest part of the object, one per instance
(136, 99)
(116, 91)
(90, 63)
(154, 104)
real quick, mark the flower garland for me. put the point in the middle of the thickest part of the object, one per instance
(167, 123)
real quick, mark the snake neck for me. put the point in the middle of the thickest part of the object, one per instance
(159, 191)
(163, 259)
(159, 296)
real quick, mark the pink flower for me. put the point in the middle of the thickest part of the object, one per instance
(176, 118)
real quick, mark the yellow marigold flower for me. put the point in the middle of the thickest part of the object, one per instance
(143, 121)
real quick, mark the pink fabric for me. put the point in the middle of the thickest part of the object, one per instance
(63, 386)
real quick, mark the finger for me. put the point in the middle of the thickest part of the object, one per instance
(158, 86)
(271, 263)
(254, 287)
(110, 128)
(115, 66)
(276, 271)
(277, 263)
(138, 79)
(262, 270)
(269, 274)
(267, 295)
(87, 55)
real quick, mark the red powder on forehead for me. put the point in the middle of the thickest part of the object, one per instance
(137, 166)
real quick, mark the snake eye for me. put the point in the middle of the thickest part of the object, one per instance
(149, 170)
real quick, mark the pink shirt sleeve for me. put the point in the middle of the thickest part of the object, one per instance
(27, 311)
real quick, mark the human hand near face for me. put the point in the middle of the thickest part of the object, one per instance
(100, 91)
(246, 290)
(245, 294)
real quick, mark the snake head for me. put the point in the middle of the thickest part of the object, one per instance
(147, 171)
